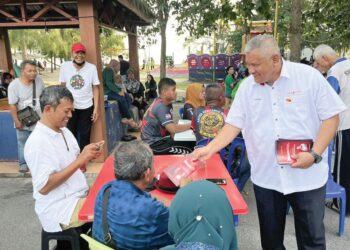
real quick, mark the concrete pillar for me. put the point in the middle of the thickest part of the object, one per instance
(90, 37)
(5, 52)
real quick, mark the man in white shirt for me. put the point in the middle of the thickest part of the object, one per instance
(338, 76)
(283, 100)
(53, 157)
(20, 96)
(81, 78)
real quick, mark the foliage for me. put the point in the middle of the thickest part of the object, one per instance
(111, 43)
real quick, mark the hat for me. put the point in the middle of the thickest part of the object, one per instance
(165, 184)
(78, 47)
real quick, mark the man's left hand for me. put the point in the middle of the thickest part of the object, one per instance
(94, 115)
(303, 160)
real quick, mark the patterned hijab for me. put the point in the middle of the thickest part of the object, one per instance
(194, 96)
(201, 217)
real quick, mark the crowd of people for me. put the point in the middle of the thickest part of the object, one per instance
(274, 103)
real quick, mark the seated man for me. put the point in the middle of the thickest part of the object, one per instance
(53, 157)
(158, 126)
(135, 219)
(207, 121)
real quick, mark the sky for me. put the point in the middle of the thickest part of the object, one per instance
(174, 46)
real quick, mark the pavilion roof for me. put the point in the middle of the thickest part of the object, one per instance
(119, 14)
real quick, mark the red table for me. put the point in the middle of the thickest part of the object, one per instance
(214, 169)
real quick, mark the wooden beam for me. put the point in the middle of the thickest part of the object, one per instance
(63, 13)
(10, 16)
(40, 24)
(5, 52)
(47, 7)
(90, 37)
(24, 14)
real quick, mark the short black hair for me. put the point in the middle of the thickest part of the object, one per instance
(25, 62)
(165, 83)
(213, 92)
(120, 56)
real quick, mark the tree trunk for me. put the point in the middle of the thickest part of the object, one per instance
(51, 64)
(163, 51)
(295, 30)
(54, 62)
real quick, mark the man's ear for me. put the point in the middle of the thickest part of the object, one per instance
(47, 108)
(147, 174)
(276, 58)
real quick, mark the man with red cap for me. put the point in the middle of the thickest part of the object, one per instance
(81, 78)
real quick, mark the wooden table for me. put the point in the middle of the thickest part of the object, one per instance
(214, 169)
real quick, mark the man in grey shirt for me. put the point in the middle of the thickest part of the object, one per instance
(20, 95)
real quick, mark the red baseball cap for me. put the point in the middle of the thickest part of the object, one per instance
(78, 47)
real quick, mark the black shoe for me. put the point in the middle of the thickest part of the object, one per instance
(128, 138)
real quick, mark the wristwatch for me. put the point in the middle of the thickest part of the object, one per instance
(317, 157)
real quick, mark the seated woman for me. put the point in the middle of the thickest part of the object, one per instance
(151, 88)
(134, 218)
(137, 90)
(194, 99)
(5, 82)
(114, 89)
(201, 217)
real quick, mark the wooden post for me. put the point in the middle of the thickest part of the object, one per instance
(5, 52)
(90, 37)
(133, 53)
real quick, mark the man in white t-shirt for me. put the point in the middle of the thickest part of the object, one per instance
(54, 159)
(338, 76)
(283, 100)
(81, 78)
(20, 95)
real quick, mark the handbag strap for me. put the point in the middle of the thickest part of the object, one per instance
(106, 234)
(34, 95)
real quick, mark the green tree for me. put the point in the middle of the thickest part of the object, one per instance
(111, 43)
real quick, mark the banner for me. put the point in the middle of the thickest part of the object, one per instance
(192, 61)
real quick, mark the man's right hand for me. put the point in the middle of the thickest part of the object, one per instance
(202, 154)
(89, 152)
(18, 125)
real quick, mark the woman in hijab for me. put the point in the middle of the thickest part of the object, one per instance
(201, 218)
(194, 99)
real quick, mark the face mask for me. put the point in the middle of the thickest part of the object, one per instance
(79, 64)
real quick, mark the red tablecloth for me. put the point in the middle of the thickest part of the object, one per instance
(214, 169)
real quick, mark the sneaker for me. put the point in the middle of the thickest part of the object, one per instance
(23, 169)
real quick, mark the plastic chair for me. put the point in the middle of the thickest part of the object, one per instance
(70, 235)
(181, 112)
(94, 244)
(334, 190)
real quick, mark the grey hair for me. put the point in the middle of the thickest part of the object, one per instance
(52, 96)
(323, 50)
(267, 43)
(131, 160)
(113, 63)
(25, 63)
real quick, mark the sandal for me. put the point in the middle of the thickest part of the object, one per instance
(331, 205)
(134, 125)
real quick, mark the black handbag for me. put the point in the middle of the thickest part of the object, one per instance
(28, 116)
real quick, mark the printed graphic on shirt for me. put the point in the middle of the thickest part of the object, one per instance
(210, 123)
(77, 82)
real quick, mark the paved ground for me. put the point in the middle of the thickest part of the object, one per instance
(21, 229)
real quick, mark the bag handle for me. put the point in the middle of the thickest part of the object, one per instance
(106, 234)
(34, 95)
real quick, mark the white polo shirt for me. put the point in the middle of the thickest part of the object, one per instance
(80, 82)
(292, 108)
(46, 153)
